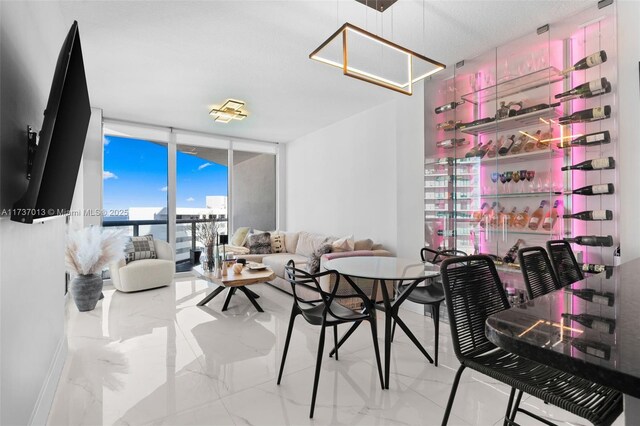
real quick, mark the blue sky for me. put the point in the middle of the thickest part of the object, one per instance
(135, 175)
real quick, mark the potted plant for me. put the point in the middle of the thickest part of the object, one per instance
(88, 251)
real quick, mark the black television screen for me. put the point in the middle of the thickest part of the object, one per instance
(64, 129)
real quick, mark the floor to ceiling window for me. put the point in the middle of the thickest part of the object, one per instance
(135, 178)
(167, 183)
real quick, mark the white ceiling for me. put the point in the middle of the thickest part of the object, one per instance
(169, 62)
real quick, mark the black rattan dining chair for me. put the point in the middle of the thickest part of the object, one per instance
(432, 294)
(326, 312)
(537, 272)
(564, 262)
(473, 292)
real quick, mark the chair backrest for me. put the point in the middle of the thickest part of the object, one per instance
(564, 263)
(473, 292)
(429, 255)
(538, 274)
(301, 278)
(443, 254)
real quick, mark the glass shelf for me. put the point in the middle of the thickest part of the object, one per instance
(515, 85)
(542, 233)
(512, 123)
(539, 154)
(522, 195)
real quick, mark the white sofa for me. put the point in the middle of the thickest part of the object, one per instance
(146, 273)
(299, 246)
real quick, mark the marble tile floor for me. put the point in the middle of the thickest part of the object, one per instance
(154, 357)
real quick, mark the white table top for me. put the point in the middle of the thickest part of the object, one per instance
(383, 268)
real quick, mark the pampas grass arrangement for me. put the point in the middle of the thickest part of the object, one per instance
(90, 249)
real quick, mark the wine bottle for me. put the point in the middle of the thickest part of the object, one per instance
(447, 125)
(596, 164)
(448, 107)
(512, 254)
(593, 268)
(512, 217)
(444, 233)
(495, 147)
(616, 257)
(478, 215)
(551, 217)
(487, 218)
(450, 143)
(597, 138)
(605, 325)
(536, 216)
(504, 149)
(584, 88)
(522, 218)
(606, 89)
(530, 145)
(474, 151)
(587, 62)
(545, 139)
(476, 122)
(503, 218)
(483, 150)
(519, 144)
(591, 215)
(602, 189)
(587, 115)
(495, 220)
(597, 349)
(592, 240)
(591, 295)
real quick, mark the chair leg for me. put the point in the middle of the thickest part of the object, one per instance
(376, 348)
(435, 314)
(509, 404)
(452, 395)
(294, 313)
(514, 411)
(393, 330)
(335, 339)
(317, 376)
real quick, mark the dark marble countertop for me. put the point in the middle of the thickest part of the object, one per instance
(606, 350)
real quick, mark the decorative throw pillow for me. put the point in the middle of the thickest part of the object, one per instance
(260, 243)
(138, 248)
(363, 244)
(238, 237)
(277, 243)
(249, 234)
(343, 244)
(313, 266)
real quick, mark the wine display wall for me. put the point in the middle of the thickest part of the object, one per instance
(521, 145)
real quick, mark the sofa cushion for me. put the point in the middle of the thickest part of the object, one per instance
(356, 253)
(291, 241)
(363, 244)
(308, 243)
(313, 266)
(238, 237)
(343, 244)
(138, 248)
(260, 243)
(278, 261)
(277, 242)
(250, 233)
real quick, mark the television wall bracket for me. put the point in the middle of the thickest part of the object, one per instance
(32, 146)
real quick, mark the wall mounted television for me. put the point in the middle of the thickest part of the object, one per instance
(64, 130)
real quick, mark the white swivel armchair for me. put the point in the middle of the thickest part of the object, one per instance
(146, 273)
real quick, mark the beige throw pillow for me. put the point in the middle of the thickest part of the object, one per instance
(363, 244)
(343, 244)
(277, 243)
(308, 243)
(238, 237)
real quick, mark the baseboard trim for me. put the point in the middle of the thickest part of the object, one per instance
(40, 413)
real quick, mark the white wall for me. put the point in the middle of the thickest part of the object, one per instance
(342, 179)
(32, 282)
(362, 176)
(629, 136)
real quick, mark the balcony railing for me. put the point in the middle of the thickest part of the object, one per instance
(186, 234)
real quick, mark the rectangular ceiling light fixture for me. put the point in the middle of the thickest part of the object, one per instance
(371, 58)
(231, 110)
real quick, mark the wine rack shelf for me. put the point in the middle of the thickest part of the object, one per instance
(541, 233)
(513, 86)
(546, 194)
(539, 154)
(514, 123)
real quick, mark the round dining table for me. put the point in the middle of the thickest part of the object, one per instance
(381, 270)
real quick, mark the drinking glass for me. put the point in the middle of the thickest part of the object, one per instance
(516, 179)
(530, 175)
(509, 176)
(494, 178)
(503, 179)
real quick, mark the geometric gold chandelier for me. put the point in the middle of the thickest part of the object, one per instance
(231, 110)
(368, 57)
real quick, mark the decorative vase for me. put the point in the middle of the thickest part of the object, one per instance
(86, 291)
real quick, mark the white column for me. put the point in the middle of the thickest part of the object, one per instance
(171, 189)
